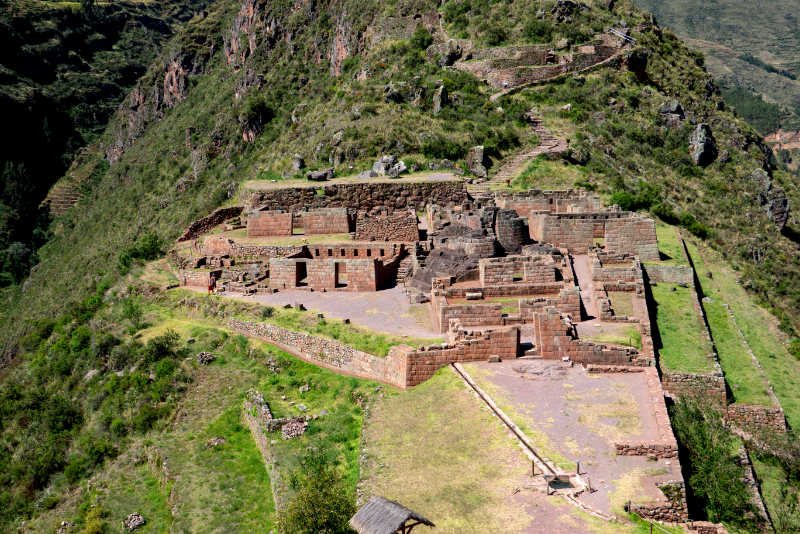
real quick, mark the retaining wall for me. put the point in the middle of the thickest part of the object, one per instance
(269, 223)
(205, 224)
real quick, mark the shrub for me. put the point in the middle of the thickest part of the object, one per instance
(421, 39)
(715, 476)
(322, 502)
(538, 31)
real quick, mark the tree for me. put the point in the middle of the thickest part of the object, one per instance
(322, 503)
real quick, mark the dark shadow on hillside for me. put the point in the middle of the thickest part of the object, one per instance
(791, 233)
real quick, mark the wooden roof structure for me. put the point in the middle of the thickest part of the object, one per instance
(382, 516)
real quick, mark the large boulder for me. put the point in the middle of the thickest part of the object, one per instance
(298, 163)
(476, 162)
(702, 146)
(320, 176)
(439, 99)
(772, 198)
(384, 163)
(445, 53)
(673, 113)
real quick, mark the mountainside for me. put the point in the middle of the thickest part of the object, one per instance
(748, 46)
(221, 113)
(64, 68)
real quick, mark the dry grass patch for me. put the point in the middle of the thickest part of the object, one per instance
(436, 450)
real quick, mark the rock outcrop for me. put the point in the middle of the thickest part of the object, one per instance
(439, 99)
(702, 146)
(476, 162)
(772, 198)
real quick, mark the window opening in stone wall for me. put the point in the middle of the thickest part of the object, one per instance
(301, 272)
(330, 252)
(316, 252)
(342, 253)
(369, 252)
(382, 254)
(355, 253)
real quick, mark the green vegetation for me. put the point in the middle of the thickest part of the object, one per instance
(322, 502)
(741, 372)
(544, 173)
(758, 62)
(716, 479)
(764, 116)
(629, 336)
(684, 344)
(760, 329)
(179, 302)
(669, 245)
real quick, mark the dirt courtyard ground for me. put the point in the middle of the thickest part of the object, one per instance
(573, 416)
(386, 311)
(437, 449)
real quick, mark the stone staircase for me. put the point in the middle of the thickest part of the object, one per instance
(405, 269)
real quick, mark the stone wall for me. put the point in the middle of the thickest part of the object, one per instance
(704, 386)
(464, 346)
(511, 230)
(568, 302)
(670, 274)
(756, 417)
(201, 226)
(325, 352)
(218, 245)
(635, 234)
(399, 226)
(574, 233)
(505, 270)
(362, 196)
(403, 367)
(469, 315)
(348, 251)
(325, 274)
(556, 338)
(269, 223)
(672, 510)
(571, 201)
(326, 221)
(197, 278)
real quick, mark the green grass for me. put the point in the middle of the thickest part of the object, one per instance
(622, 302)
(758, 327)
(685, 347)
(669, 244)
(741, 373)
(544, 173)
(301, 321)
(629, 336)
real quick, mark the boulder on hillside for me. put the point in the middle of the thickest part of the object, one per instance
(772, 198)
(384, 163)
(446, 53)
(476, 162)
(702, 146)
(320, 176)
(673, 113)
(298, 163)
(439, 99)
(133, 521)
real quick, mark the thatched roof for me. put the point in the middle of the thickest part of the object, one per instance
(382, 516)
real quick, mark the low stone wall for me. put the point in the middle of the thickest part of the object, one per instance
(569, 201)
(704, 527)
(669, 274)
(323, 351)
(197, 278)
(705, 386)
(362, 196)
(403, 367)
(672, 510)
(400, 226)
(219, 245)
(756, 417)
(635, 235)
(201, 226)
(651, 450)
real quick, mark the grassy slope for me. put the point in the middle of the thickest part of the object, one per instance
(758, 326)
(685, 347)
(226, 488)
(728, 29)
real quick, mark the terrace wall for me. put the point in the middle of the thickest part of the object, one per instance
(670, 274)
(362, 196)
(269, 223)
(704, 386)
(400, 226)
(756, 417)
(205, 224)
(403, 367)
(571, 201)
